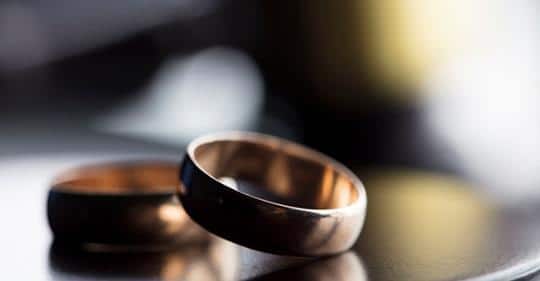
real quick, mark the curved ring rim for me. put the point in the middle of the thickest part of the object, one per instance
(360, 203)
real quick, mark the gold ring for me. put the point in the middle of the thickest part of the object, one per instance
(271, 195)
(121, 205)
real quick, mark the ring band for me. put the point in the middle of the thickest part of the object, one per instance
(122, 205)
(271, 195)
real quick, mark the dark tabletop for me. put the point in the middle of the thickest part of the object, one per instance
(421, 225)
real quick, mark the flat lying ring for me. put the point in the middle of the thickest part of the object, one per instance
(271, 195)
(123, 205)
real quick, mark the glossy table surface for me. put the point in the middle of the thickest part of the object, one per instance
(421, 225)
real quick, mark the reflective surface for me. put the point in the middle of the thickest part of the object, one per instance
(427, 219)
(320, 205)
(346, 266)
(216, 259)
(455, 233)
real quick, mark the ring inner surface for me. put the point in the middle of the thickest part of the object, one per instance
(280, 172)
(120, 179)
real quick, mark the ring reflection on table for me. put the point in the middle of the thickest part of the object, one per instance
(215, 259)
(346, 266)
(128, 205)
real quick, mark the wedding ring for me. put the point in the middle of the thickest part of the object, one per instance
(123, 205)
(271, 195)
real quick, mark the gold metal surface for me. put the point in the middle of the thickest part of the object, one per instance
(290, 200)
(119, 206)
(132, 177)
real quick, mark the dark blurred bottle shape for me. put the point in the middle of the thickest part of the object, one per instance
(347, 65)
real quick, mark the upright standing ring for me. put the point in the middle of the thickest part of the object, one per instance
(271, 195)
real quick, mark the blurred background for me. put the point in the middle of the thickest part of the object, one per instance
(449, 85)
(439, 98)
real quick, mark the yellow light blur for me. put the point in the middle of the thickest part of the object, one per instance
(428, 226)
(410, 37)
